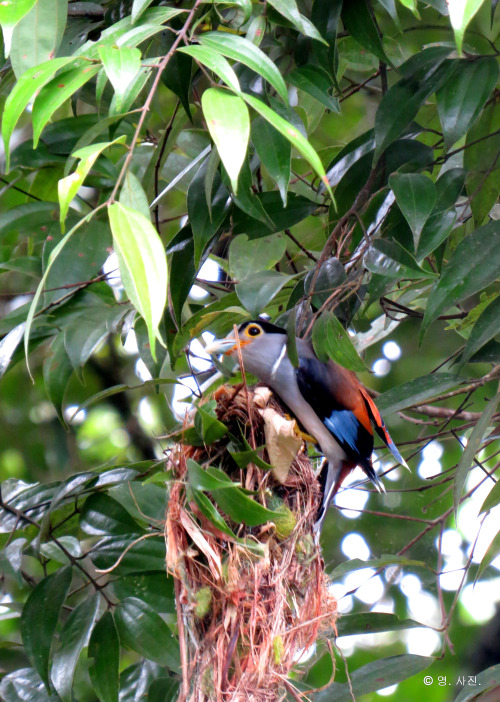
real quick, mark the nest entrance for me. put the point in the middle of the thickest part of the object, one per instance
(247, 605)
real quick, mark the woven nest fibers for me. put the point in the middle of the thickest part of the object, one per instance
(250, 584)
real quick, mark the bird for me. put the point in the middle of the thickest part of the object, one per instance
(327, 400)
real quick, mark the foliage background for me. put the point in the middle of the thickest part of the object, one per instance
(407, 128)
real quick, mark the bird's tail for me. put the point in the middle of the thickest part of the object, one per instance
(330, 479)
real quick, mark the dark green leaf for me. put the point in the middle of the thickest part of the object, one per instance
(330, 277)
(374, 676)
(155, 588)
(372, 622)
(104, 649)
(205, 219)
(435, 231)
(137, 678)
(359, 23)
(473, 445)
(208, 426)
(402, 101)
(297, 209)
(247, 200)
(473, 265)
(130, 554)
(57, 370)
(71, 642)
(493, 498)
(176, 75)
(211, 512)
(274, 152)
(201, 479)
(163, 690)
(486, 327)
(247, 257)
(101, 515)
(331, 341)
(464, 94)
(39, 619)
(488, 679)
(416, 391)
(256, 292)
(483, 173)
(416, 195)
(315, 82)
(144, 631)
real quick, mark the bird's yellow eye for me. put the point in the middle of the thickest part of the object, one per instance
(253, 330)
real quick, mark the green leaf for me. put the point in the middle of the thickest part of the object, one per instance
(247, 200)
(372, 622)
(104, 652)
(473, 265)
(242, 50)
(228, 122)
(215, 62)
(8, 346)
(416, 196)
(315, 82)
(293, 135)
(11, 12)
(487, 680)
(128, 554)
(473, 445)
(289, 10)
(73, 638)
(208, 426)
(56, 92)
(39, 619)
(202, 479)
(400, 104)
(210, 512)
(69, 186)
(122, 66)
(37, 36)
(435, 231)
(492, 499)
(296, 210)
(24, 685)
(57, 370)
(155, 588)
(205, 219)
(102, 515)
(483, 172)
(143, 265)
(247, 257)
(331, 341)
(374, 676)
(132, 194)
(461, 14)
(492, 552)
(464, 94)
(144, 631)
(275, 153)
(257, 291)
(330, 277)
(23, 91)
(359, 23)
(138, 7)
(486, 327)
(416, 392)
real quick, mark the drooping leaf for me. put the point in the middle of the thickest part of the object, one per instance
(241, 49)
(104, 649)
(215, 62)
(464, 94)
(359, 23)
(416, 195)
(121, 66)
(11, 12)
(289, 10)
(24, 90)
(228, 122)
(461, 14)
(143, 266)
(294, 137)
(39, 618)
(56, 92)
(258, 290)
(331, 341)
(473, 444)
(473, 265)
(69, 186)
(315, 82)
(143, 630)
(274, 152)
(37, 36)
(73, 638)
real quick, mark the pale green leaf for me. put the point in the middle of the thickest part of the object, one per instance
(228, 122)
(11, 12)
(215, 62)
(38, 35)
(143, 265)
(121, 65)
(461, 13)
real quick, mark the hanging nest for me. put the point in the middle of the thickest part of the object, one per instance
(250, 599)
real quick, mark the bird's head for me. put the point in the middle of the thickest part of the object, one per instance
(249, 333)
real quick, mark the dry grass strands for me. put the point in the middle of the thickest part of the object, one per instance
(247, 605)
